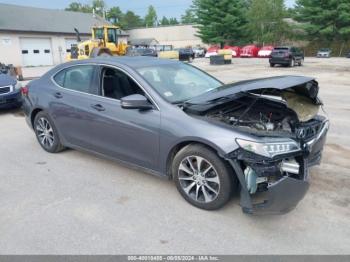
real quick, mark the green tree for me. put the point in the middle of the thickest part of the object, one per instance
(265, 21)
(189, 17)
(325, 20)
(99, 6)
(79, 7)
(290, 12)
(221, 21)
(131, 20)
(151, 17)
(116, 16)
(173, 21)
(164, 21)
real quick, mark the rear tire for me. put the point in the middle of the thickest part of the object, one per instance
(208, 186)
(272, 65)
(301, 62)
(46, 133)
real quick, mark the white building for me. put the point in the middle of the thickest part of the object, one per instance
(177, 35)
(38, 37)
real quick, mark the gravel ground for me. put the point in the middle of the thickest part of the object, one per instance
(75, 203)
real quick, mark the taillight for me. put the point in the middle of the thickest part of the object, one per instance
(286, 54)
(25, 91)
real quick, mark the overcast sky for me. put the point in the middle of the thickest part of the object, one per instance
(169, 8)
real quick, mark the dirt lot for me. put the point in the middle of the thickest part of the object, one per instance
(74, 203)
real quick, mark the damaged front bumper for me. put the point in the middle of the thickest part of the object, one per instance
(279, 191)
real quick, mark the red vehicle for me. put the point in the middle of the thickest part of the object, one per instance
(250, 51)
(213, 50)
(265, 51)
(236, 50)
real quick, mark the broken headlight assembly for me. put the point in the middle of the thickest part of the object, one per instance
(269, 148)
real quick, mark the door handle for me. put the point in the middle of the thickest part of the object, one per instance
(58, 95)
(98, 107)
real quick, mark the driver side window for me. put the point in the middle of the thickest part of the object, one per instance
(116, 84)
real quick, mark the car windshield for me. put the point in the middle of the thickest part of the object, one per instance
(178, 82)
(324, 50)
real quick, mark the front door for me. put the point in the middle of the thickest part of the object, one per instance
(131, 135)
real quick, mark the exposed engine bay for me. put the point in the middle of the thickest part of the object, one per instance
(279, 106)
(264, 115)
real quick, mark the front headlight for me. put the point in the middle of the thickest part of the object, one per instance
(17, 86)
(269, 149)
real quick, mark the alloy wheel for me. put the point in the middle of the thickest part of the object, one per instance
(199, 179)
(45, 132)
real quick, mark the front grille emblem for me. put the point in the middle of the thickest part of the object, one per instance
(301, 133)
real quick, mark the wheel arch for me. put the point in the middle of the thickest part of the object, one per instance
(33, 115)
(180, 145)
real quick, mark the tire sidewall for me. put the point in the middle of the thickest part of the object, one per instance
(292, 62)
(225, 177)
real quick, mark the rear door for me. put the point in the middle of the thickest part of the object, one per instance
(72, 98)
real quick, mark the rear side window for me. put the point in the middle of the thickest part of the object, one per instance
(77, 78)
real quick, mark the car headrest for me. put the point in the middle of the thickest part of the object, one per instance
(76, 76)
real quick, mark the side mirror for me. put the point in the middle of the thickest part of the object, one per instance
(136, 102)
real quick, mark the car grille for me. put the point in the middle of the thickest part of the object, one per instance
(5, 89)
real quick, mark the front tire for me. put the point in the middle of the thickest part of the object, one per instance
(46, 133)
(202, 178)
(292, 63)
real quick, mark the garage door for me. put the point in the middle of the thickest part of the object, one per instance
(36, 51)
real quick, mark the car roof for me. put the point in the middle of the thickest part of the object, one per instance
(130, 61)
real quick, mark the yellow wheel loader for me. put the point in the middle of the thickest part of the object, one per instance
(104, 42)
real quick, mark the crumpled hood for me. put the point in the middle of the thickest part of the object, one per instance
(6, 80)
(301, 85)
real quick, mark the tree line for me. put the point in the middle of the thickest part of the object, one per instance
(246, 21)
(125, 20)
(270, 22)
